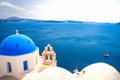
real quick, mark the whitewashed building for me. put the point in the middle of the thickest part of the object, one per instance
(18, 55)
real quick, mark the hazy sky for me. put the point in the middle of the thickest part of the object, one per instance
(81, 10)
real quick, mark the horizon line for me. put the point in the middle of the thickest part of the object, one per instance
(59, 20)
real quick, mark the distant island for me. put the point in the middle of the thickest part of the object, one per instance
(118, 23)
(17, 19)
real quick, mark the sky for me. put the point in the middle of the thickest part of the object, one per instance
(79, 10)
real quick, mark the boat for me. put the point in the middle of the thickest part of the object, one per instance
(106, 55)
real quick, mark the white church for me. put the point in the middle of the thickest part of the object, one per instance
(19, 58)
(19, 55)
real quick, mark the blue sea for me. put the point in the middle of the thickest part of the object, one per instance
(78, 44)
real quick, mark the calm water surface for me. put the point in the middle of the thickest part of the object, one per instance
(78, 44)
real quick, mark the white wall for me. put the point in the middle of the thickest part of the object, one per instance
(17, 63)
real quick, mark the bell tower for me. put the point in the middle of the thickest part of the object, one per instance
(49, 56)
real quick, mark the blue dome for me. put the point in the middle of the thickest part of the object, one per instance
(17, 44)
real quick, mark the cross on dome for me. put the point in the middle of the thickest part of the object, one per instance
(76, 70)
(17, 31)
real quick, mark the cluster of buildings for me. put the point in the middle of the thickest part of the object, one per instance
(20, 60)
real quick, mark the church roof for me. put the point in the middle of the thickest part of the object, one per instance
(50, 73)
(17, 44)
(100, 71)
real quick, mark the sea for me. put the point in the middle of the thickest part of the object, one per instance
(75, 44)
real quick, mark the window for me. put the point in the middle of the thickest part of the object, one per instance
(9, 68)
(46, 57)
(50, 57)
(48, 48)
(25, 65)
